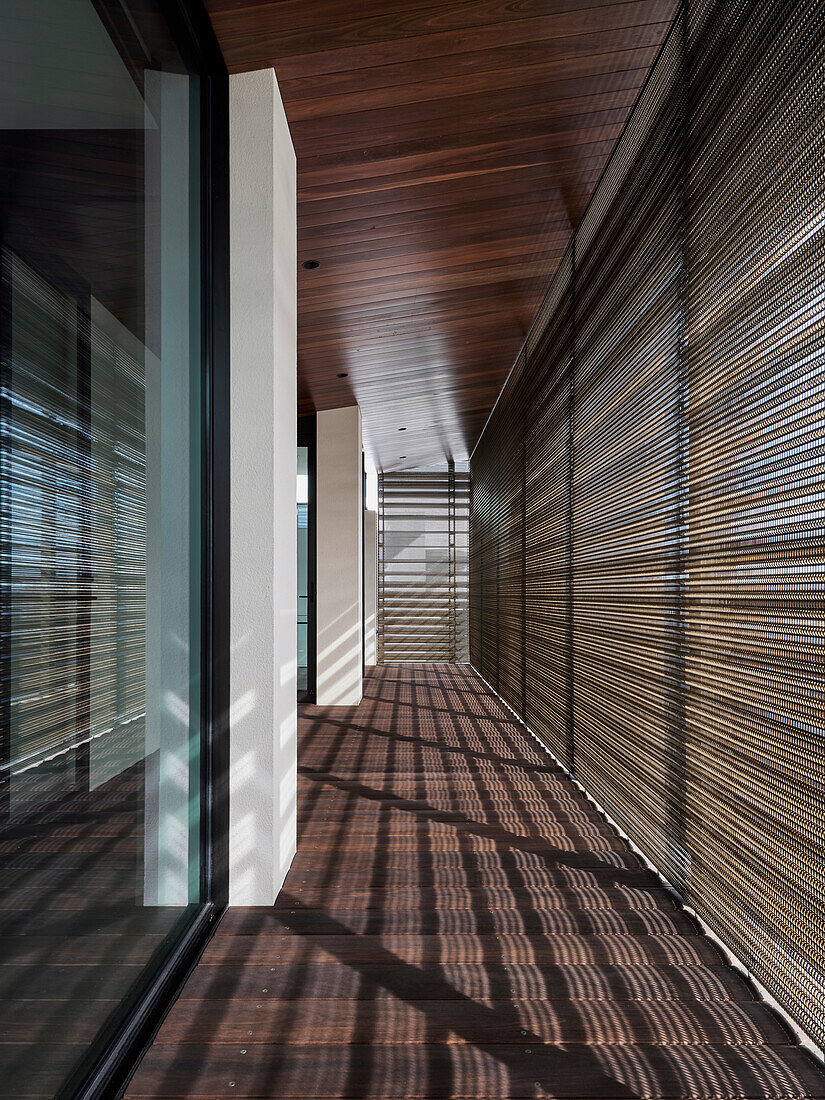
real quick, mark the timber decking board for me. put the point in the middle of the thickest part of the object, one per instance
(509, 946)
(75, 936)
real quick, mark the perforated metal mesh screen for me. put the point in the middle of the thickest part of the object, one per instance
(423, 532)
(647, 533)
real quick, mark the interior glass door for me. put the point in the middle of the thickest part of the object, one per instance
(305, 509)
(303, 569)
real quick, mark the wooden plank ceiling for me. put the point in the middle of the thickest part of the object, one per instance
(446, 149)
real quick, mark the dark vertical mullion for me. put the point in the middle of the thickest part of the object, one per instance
(215, 516)
(5, 530)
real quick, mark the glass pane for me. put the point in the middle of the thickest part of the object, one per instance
(100, 521)
(303, 566)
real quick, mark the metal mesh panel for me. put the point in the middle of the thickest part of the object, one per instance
(423, 531)
(666, 427)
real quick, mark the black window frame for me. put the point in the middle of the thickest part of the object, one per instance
(113, 1057)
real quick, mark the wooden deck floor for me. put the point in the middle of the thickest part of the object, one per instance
(75, 935)
(460, 922)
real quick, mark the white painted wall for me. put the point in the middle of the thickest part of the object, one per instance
(263, 722)
(370, 587)
(339, 558)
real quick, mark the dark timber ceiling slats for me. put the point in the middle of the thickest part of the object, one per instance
(670, 400)
(446, 150)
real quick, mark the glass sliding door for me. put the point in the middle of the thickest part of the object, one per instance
(303, 572)
(102, 509)
(305, 497)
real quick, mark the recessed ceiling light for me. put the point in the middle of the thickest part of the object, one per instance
(311, 265)
(343, 374)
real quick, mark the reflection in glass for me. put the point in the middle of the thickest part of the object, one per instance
(100, 520)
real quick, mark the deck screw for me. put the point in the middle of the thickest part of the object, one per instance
(259, 1006)
(264, 991)
(243, 1052)
(249, 1032)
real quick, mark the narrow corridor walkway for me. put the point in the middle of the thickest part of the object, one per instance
(460, 922)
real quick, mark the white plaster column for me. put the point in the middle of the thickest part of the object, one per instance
(263, 724)
(339, 487)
